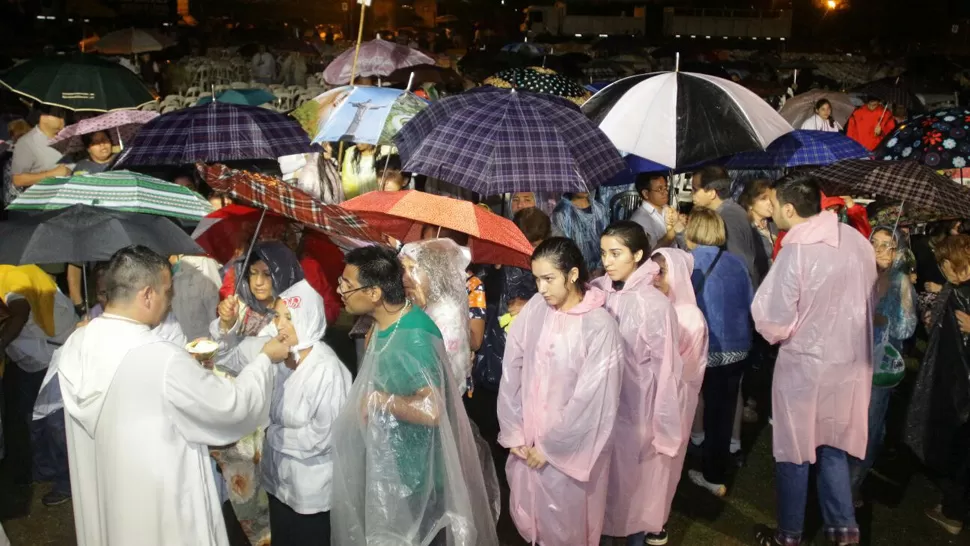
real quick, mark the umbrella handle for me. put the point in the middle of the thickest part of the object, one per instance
(360, 36)
(249, 252)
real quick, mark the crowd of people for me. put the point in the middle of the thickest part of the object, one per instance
(583, 382)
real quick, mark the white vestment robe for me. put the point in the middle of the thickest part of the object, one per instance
(140, 415)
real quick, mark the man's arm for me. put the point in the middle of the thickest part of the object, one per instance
(422, 408)
(26, 180)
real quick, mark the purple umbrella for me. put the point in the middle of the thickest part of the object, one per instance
(215, 132)
(120, 125)
(494, 141)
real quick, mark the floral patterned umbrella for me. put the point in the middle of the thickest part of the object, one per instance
(937, 139)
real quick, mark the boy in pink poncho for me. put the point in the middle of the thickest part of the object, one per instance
(673, 280)
(815, 302)
(649, 432)
(557, 402)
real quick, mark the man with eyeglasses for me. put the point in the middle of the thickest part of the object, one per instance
(655, 214)
(406, 468)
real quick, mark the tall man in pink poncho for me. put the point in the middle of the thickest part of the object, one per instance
(815, 303)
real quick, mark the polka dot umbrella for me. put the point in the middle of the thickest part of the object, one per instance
(539, 80)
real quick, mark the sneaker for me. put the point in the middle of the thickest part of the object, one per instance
(716, 489)
(55, 498)
(656, 539)
(951, 526)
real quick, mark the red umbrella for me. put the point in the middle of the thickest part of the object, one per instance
(402, 215)
(221, 233)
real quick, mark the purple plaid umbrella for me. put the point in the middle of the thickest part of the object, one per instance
(493, 141)
(215, 132)
(800, 148)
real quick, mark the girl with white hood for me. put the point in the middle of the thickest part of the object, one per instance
(296, 468)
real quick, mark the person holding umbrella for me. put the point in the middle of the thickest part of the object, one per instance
(100, 154)
(870, 123)
(33, 158)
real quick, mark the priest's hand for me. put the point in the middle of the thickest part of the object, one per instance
(277, 349)
(228, 312)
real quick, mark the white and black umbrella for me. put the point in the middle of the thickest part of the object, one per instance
(681, 118)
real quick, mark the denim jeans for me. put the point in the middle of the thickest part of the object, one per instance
(48, 437)
(878, 409)
(834, 493)
(632, 540)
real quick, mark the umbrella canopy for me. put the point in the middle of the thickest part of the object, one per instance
(372, 115)
(906, 181)
(799, 148)
(427, 73)
(246, 97)
(938, 140)
(215, 132)
(115, 190)
(376, 58)
(679, 118)
(526, 48)
(403, 214)
(232, 226)
(132, 41)
(892, 90)
(539, 80)
(121, 126)
(798, 109)
(274, 195)
(80, 82)
(82, 233)
(493, 141)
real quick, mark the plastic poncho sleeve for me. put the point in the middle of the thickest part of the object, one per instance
(510, 418)
(574, 443)
(902, 325)
(775, 306)
(668, 415)
(212, 410)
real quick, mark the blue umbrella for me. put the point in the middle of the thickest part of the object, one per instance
(246, 97)
(494, 141)
(800, 148)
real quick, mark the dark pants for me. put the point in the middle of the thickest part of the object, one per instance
(49, 440)
(289, 528)
(720, 391)
(20, 390)
(956, 484)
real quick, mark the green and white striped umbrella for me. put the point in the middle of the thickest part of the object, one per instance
(117, 190)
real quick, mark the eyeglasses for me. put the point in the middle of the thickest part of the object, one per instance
(664, 189)
(341, 282)
(883, 247)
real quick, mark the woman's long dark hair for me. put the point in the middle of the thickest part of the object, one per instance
(564, 255)
(822, 102)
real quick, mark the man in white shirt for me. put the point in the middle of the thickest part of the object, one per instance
(141, 414)
(653, 214)
(264, 66)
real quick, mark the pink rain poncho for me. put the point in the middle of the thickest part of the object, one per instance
(815, 302)
(649, 433)
(692, 341)
(559, 393)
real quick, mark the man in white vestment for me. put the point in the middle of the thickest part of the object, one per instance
(141, 413)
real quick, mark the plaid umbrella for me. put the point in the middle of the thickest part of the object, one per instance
(799, 148)
(539, 80)
(492, 141)
(83, 83)
(121, 126)
(403, 215)
(116, 190)
(81, 234)
(276, 196)
(215, 132)
(905, 181)
(376, 58)
(939, 139)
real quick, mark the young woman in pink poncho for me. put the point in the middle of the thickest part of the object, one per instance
(674, 281)
(648, 432)
(557, 402)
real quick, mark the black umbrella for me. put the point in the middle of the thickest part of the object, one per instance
(88, 234)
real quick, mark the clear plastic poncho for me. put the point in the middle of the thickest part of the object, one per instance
(406, 467)
(439, 274)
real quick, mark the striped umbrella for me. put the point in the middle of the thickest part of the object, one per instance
(403, 215)
(116, 190)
